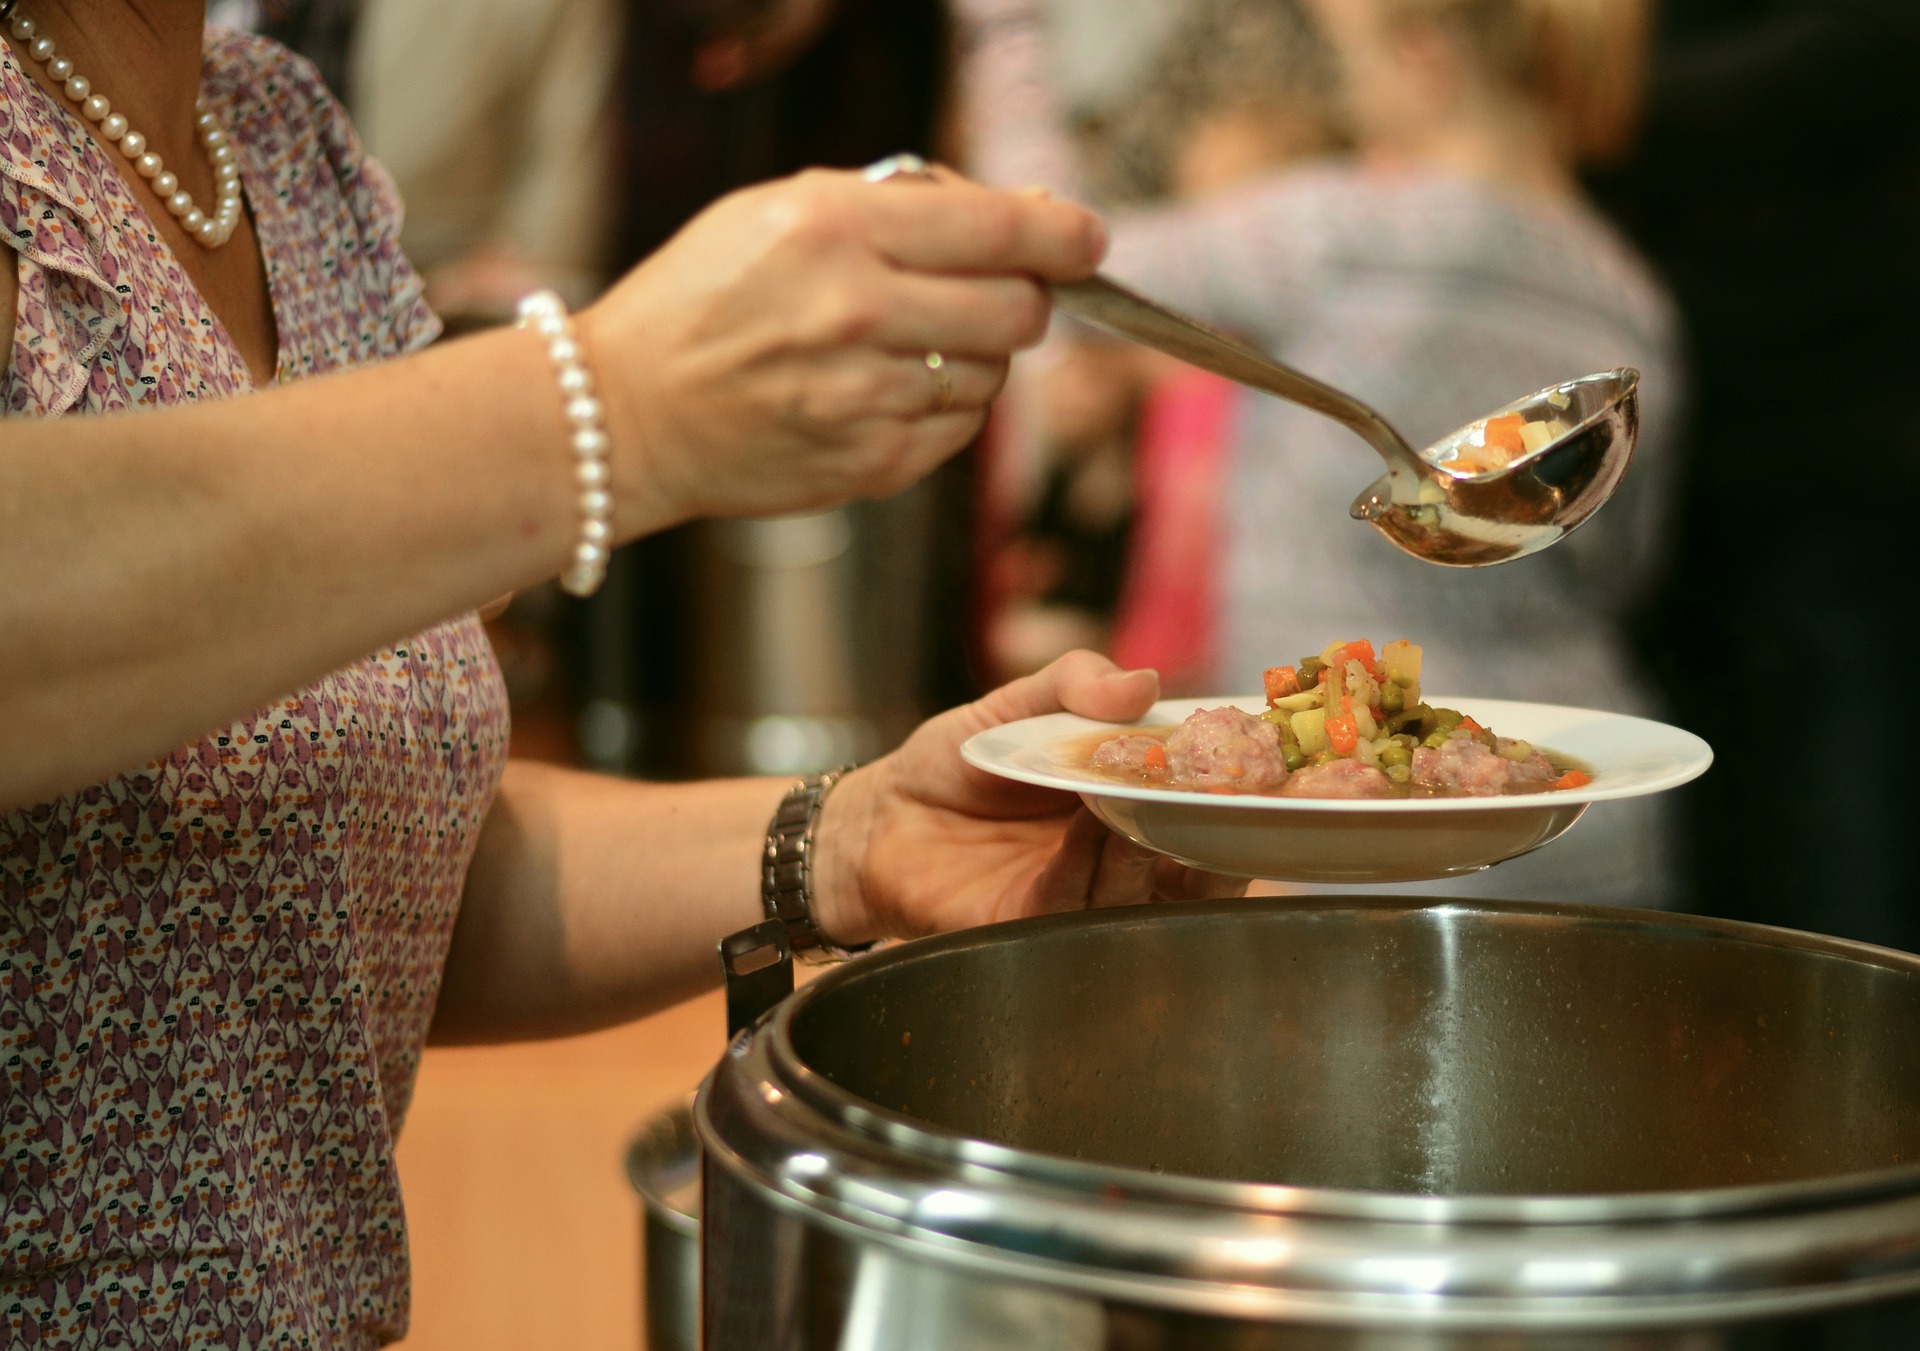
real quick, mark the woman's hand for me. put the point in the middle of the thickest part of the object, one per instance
(772, 357)
(921, 842)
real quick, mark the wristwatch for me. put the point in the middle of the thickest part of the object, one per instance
(786, 869)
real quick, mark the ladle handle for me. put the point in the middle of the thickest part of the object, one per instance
(1104, 302)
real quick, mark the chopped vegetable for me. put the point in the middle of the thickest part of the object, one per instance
(1156, 758)
(1280, 681)
(1342, 734)
(1573, 778)
(1310, 726)
(1503, 434)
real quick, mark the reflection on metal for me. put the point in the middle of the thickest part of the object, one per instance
(808, 634)
(663, 1167)
(609, 735)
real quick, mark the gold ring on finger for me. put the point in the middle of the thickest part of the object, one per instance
(942, 382)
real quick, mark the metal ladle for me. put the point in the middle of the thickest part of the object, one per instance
(1444, 515)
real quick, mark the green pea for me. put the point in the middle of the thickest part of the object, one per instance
(1396, 754)
(1399, 773)
(1435, 740)
(1295, 757)
(1392, 700)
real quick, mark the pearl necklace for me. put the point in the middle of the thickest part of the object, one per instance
(211, 229)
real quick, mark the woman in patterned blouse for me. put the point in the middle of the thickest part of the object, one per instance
(228, 912)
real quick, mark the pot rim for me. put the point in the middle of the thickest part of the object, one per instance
(945, 1148)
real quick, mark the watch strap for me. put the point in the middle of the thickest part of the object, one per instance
(786, 867)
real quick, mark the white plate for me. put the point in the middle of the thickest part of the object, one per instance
(1323, 840)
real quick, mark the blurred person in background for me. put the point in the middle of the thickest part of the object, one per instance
(1451, 265)
(496, 119)
(1777, 185)
(1236, 90)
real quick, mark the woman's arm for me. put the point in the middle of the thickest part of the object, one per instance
(592, 901)
(163, 573)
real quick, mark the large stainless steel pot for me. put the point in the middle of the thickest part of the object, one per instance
(1379, 1124)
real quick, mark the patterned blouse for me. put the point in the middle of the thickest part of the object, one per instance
(217, 970)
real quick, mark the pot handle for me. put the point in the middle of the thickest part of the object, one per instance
(758, 966)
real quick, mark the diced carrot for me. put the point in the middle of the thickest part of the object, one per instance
(1281, 681)
(1362, 652)
(1573, 778)
(1470, 725)
(1343, 733)
(1155, 758)
(1321, 679)
(1503, 433)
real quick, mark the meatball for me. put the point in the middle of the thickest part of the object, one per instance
(1460, 766)
(1224, 748)
(1534, 771)
(1128, 755)
(1342, 778)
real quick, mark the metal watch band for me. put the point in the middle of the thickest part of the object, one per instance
(786, 867)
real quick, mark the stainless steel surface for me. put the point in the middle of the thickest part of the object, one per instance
(808, 632)
(663, 1166)
(1340, 1123)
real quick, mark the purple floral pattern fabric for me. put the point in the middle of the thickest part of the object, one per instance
(217, 970)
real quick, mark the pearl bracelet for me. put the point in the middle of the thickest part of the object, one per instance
(546, 314)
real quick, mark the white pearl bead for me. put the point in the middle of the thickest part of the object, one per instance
(591, 473)
(221, 155)
(590, 555)
(581, 581)
(208, 232)
(564, 351)
(78, 88)
(114, 127)
(60, 68)
(180, 204)
(584, 411)
(149, 165)
(596, 531)
(193, 219)
(591, 443)
(96, 109)
(227, 174)
(165, 183)
(575, 380)
(551, 326)
(42, 49)
(596, 504)
(133, 145)
(22, 28)
(202, 116)
(213, 138)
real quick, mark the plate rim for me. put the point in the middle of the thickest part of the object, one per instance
(1698, 758)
